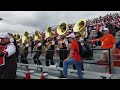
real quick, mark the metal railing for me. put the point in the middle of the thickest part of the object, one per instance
(91, 59)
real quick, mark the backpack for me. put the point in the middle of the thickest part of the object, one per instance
(85, 51)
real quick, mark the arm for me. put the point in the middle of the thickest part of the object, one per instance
(70, 54)
(114, 46)
(72, 48)
(11, 49)
(95, 40)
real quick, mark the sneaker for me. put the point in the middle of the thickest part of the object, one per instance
(62, 77)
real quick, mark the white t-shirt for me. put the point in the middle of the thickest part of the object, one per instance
(53, 42)
(11, 39)
(11, 49)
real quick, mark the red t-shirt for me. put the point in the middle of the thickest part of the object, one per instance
(75, 56)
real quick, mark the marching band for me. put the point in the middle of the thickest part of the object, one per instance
(44, 43)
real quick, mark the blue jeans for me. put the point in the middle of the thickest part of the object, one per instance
(71, 61)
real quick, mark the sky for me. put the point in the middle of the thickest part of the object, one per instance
(21, 21)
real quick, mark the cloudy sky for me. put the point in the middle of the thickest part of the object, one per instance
(21, 21)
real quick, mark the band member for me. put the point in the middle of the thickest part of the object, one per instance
(38, 48)
(49, 51)
(63, 50)
(32, 44)
(24, 52)
(8, 59)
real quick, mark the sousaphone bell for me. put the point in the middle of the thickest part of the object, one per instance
(62, 28)
(80, 27)
(48, 32)
(37, 36)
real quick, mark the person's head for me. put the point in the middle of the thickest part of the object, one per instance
(77, 35)
(62, 37)
(119, 33)
(71, 37)
(5, 38)
(105, 31)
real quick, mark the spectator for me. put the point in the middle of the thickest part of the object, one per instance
(108, 41)
(73, 58)
(9, 66)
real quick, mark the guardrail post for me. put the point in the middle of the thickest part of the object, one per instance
(109, 62)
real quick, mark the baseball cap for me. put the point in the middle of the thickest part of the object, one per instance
(105, 29)
(4, 35)
(72, 35)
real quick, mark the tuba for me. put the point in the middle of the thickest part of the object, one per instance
(80, 27)
(48, 32)
(37, 36)
(18, 39)
(25, 38)
(62, 28)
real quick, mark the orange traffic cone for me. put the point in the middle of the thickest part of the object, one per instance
(44, 74)
(28, 76)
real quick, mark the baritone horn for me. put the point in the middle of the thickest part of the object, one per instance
(62, 28)
(80, 27)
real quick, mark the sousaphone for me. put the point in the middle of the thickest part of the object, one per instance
(62, 28)
(80, 27)
(25, 37)
(18, 39)
(48, 32)
(37, 36)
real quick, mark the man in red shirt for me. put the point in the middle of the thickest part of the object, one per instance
(73, 58)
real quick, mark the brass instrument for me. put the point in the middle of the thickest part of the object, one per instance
(80, 27)
(26, 38)
(48, 32)
(14, 35)
(48, 45)
(37, 36)
(62, 28)
(18, 39)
